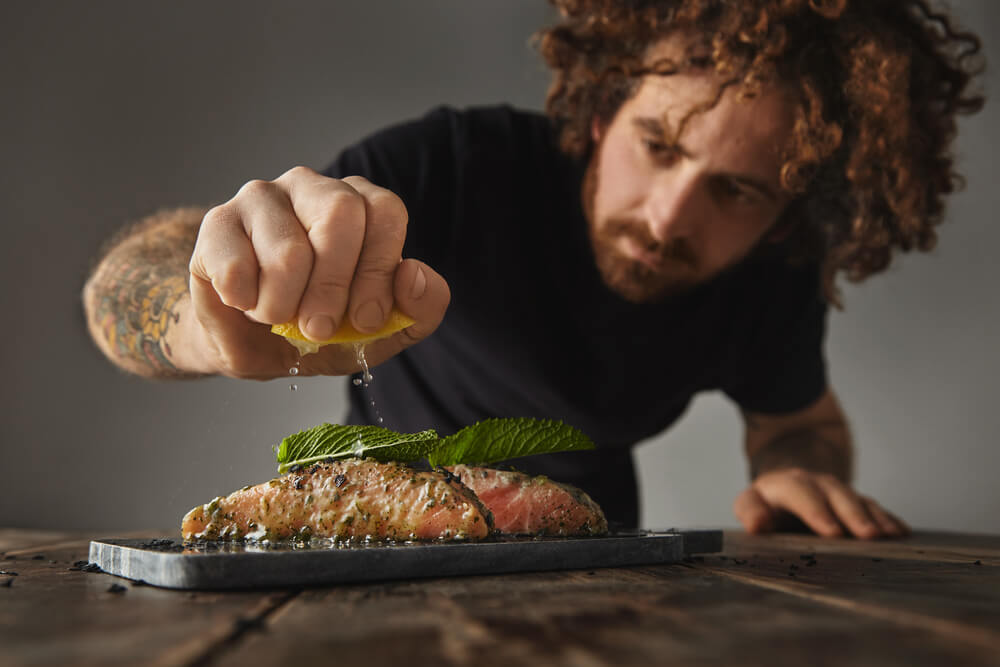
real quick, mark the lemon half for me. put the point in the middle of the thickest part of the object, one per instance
(345, 335)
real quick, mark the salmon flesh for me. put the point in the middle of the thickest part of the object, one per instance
(525, 505)
(352, 498)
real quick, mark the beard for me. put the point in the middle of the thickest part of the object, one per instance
(674, 269)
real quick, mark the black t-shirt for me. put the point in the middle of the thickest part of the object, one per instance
(532, 331)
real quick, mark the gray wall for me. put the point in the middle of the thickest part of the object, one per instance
(113, 109)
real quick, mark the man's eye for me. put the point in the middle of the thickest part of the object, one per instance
(733, 191)
(658, 148)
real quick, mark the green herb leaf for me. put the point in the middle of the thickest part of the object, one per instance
(341, 442)
(496, 440)
(487, 442)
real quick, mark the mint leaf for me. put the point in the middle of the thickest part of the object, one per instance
(496, 440)
(341, 442)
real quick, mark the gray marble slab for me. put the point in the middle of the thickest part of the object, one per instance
(239, 565)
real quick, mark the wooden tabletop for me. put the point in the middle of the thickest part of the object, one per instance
(932, 599)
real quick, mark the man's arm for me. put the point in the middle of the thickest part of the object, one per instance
(190, 292)
(801, 465)
(137, 302)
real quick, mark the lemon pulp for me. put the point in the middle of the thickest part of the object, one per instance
(345, 335)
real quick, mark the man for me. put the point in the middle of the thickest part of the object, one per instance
(673, 225)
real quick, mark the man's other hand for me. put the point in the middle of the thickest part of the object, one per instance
(826, 505)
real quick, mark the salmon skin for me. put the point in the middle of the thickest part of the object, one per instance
(346, 499)
(525, 505)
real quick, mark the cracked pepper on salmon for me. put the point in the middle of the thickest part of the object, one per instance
(352, 498)
(525, 505)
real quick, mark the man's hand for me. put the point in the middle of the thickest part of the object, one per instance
(313, 249)
(801, 466)
(826, 505)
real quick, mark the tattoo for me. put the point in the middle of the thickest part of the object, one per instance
(134, 294)
(805, 448)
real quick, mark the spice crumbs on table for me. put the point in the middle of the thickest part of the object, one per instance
(117, 589)
(38, 557)
(978, 562)
(7, 584)
(8, 573)
(876, 560)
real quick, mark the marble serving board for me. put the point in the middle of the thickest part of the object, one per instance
(172, 563)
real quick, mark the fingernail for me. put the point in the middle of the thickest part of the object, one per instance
(419, 284)
(319, 327)
(369, 316)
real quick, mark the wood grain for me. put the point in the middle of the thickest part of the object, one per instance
(921, 601)
(627, 616)
(52, 615)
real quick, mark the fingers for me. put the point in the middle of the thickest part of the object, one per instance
(753, 512)
(824, 503)
(356, 231)
(239, 348)
(284, 255)
(796, 491)
(381, 253)
(889, 523)
(224, 257)
(422, 293)
(849, 507)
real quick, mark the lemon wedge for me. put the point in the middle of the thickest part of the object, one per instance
(345, 335)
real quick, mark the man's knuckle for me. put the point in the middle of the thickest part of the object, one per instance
(389, 209)
(257, 189)
(298, 172)
(344, 207)
(291, 256)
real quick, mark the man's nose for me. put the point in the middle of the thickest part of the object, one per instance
(671, 207)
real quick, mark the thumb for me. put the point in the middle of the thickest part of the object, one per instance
(753, 511)
(423, 294)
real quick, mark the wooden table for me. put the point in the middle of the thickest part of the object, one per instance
(933, 599)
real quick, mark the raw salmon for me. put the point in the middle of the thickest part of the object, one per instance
(352, 498)
(525, 505)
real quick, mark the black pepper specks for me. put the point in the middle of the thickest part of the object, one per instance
(339, 480)
(117, 589)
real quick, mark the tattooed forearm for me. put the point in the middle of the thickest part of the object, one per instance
(814, 449)
(132, 298)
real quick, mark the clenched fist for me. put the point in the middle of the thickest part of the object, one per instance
(317, 250)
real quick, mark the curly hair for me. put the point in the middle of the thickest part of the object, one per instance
(877, 84)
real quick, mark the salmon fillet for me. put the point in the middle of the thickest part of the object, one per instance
(525, 505)
(352, 498)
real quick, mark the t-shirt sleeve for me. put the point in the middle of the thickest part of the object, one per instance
(780, 367)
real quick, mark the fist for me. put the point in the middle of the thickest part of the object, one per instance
(316, 250)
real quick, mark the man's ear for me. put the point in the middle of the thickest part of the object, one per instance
(596, 129)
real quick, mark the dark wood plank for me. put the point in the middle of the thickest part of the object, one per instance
(16, 539)
(938, 547)
(51, 615)
(951, 596)
(672, 614)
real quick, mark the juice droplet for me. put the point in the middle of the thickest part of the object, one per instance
(366, 376)
(293, 387)
(294, 370)
(357, 448)
(359, 354)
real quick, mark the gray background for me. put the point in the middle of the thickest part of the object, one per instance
(111, 110)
